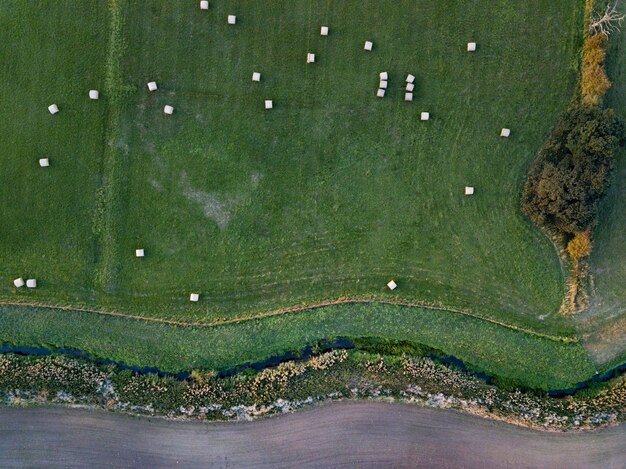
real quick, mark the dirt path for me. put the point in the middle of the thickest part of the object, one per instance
(349, 434)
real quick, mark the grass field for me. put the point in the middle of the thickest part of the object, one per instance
(330, 194)
(605, 322)
(530, 360)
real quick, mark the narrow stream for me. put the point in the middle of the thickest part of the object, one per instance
(307, 352)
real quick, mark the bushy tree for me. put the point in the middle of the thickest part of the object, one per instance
(572, 170)
(580, 245)
(594, 83)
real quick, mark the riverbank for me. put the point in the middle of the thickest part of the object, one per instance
(343, 434)
(333, 375)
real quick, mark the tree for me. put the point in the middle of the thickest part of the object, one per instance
(607, 22)
(572, 171)
(580, 245)
(594, 83)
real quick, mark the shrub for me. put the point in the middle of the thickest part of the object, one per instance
(572, 171)
(594, 82)
(580, 245)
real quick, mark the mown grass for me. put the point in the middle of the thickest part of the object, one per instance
(334, 192)
(49, 55)
(331, 194)
(510, 355)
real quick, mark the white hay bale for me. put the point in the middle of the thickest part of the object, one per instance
(194, 297)
(169, 110)
(18, 282)
(232, 19)
(383, 76)
(310, 58)
(408, 96)
(368, 45)
(94, 94)
(410, 87)
(44, 162)
(469, 190)
(152, 86)
(382, 84)
(505, 132)
(471, 47)
(392, 285)
(204, 5)
(324, 31)
(256, 76)
(139, 253)
(53, 108)
(380, 93)
(410, 78)
(425, 116)
(269, 104)
(31, 283)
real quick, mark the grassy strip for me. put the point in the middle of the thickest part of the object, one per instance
(108, 192)
(511, 356)
(567, 335)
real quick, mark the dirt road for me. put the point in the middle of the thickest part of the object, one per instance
(348, 434)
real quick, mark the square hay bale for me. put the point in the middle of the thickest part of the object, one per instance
(392, 285)
(380, 93)
(94, 94)
(471, 47)
(269, 104)
(139, 253)
(368, 45)
(44, 162)
(169, 110)
(232, 19)
(425, 116)
(408, 96)
(505, 132)
(410, 78)
(410, 87)
(194, 297)
(382, 84)
(324, 31)
(31, 283)
(18, 282)
(152, 86)
(204, 5)
(256, 76)
(383, 76)
(53, 108)
(469, 190)
(310, 58)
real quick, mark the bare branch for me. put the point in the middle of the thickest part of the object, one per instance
(608, 22)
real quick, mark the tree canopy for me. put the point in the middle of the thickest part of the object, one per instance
(572, 171)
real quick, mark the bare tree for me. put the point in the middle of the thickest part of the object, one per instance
(608, 22)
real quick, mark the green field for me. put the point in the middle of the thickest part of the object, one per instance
(605, 321)
(499, 351)
(329, 195)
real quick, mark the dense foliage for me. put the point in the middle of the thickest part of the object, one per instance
(593, 82)
(572, 171)
(333, 375)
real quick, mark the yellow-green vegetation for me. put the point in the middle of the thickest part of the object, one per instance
(594, 82)
(293, 385)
